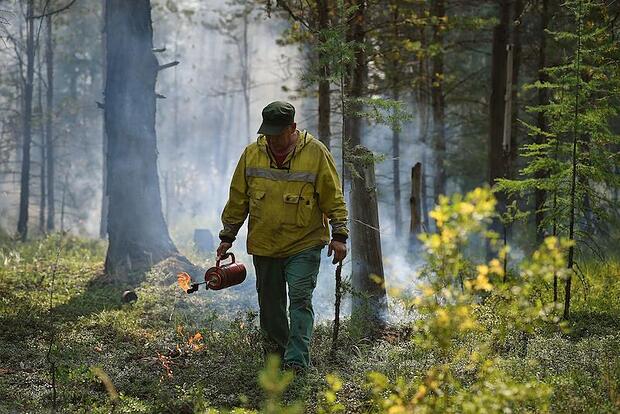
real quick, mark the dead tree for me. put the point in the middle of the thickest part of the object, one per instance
(138, 236)
(369, 297)
(415, 204)
(369, 302)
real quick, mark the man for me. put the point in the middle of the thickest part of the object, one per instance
(288, 184)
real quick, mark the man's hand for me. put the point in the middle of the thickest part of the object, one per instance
(339, 249)
(223, 248)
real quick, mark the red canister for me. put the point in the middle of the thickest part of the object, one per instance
(221, 277)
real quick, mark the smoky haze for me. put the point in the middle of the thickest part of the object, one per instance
(202, 129)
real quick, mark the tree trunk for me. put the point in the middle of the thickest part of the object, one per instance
(105, 199)
(396, 174)
(497, 155)
(245, 75)
(324, 94)
(423, 105)
(24, 194)
(415, 206)
(41, 125)
(369, 300)
(49, 64)
(541, 122)
(398, 225)
(438, 11)
(138, 236)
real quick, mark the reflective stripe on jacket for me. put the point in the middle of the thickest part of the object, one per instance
(289, 207)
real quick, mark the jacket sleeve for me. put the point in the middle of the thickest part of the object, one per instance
(331, 199)
(236, 209)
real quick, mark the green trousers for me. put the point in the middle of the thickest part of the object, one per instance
(300, 271)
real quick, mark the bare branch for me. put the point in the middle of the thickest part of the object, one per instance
(51, 13)
(168, 65)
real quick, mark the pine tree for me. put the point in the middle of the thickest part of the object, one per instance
(575, 164)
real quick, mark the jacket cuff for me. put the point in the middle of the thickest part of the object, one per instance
(227, 239)
(342, 238)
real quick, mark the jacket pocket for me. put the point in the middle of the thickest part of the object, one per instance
(257, 200)
(298, 209)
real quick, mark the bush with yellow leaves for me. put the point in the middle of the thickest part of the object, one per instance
(457, 296)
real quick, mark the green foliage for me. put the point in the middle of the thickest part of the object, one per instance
(477, 344)
(584, 93)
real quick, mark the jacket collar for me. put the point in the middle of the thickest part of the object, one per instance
(304, 138)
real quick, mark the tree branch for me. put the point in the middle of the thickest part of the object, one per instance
(167, 65)
(51, 13)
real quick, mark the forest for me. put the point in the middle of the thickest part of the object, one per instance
(455, 164)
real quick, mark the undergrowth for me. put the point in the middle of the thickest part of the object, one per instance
(479, 345)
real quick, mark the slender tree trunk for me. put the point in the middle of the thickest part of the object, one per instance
(324, 93)
(497, 104)
(245, 77)
(438, 11)
(137, 232)
(398, 225)
(541, 123)
(423, 105)
(105, 199)
(574, 172)
(41, 127)
(24, 195)
(49, 64)
(398, 219)
(63, 203)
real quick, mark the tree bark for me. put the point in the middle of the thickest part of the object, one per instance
(49, 64)
(415, 205)
(24, 194)
(324, 72)
(497, 155)
(105, 199)
(245, 75)
(423, 105)
(541, 123)
(369, 300)
(398, 225)
(369, 303)
(40, 123)
(438, 11)
(138, 236)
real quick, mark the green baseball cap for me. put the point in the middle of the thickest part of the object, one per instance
(277, 116)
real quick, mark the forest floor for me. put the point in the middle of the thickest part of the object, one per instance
(147, 356)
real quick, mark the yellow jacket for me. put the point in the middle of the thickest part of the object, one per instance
(288, 206)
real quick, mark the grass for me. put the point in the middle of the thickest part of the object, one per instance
(145, 348)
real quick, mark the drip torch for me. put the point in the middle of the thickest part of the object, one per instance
(217, 277)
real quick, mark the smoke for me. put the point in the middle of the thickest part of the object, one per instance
(202, 130)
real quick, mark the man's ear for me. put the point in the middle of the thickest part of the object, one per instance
(293, 127)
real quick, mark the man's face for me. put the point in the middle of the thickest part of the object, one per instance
(286, 132)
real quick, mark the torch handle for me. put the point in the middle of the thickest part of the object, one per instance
(224, 257)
